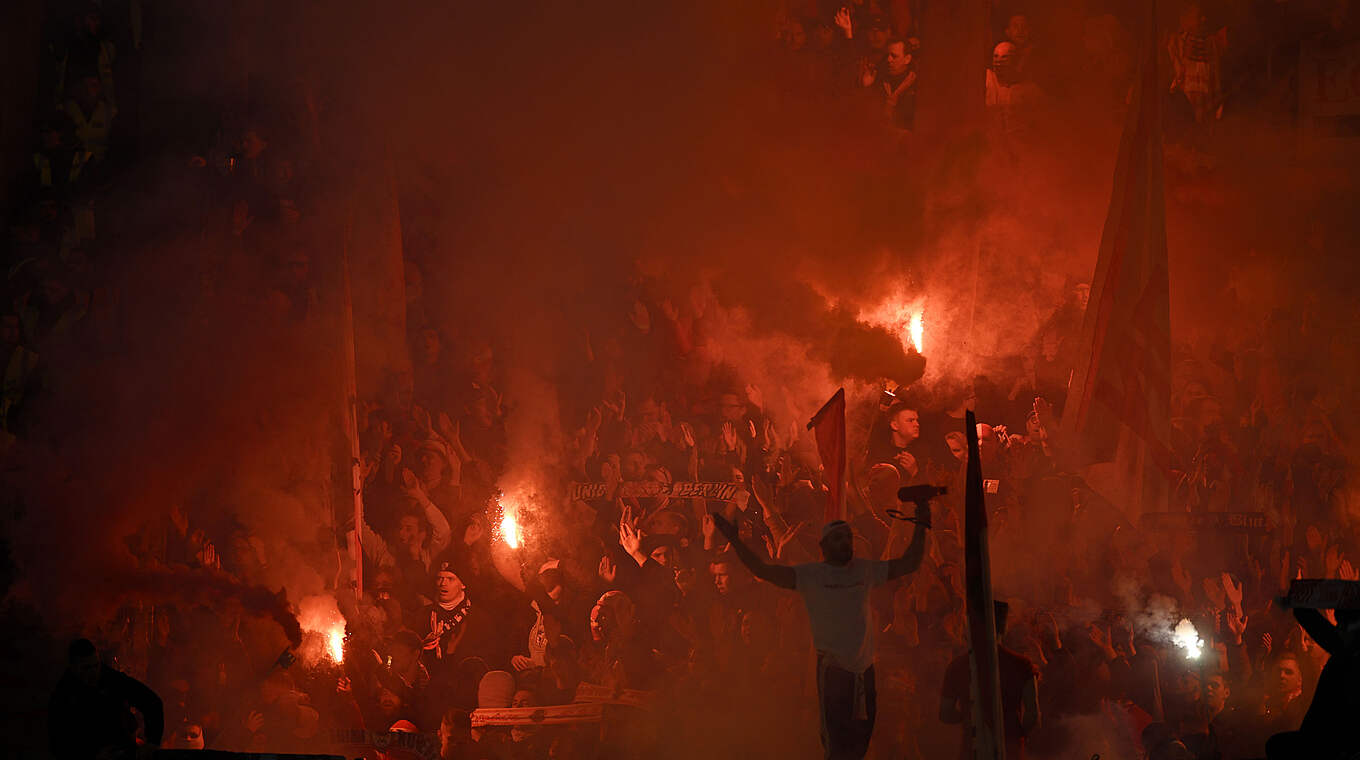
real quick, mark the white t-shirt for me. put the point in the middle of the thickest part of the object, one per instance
(837, 599)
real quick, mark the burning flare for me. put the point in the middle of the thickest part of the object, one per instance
(320, 616)
(335, 643)
(509, 528)
(901, 315)
(1187, 638)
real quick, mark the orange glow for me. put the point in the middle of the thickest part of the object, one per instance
(510, 530)
(917, 329)
(320, 616)
(335, 644)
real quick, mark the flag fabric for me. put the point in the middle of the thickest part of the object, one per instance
(1117, 413)
(828, 425)
(988, 726)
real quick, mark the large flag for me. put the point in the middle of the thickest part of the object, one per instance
(988, 726)
(828, 425)
(1118, 404)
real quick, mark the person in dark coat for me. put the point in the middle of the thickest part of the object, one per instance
(90, 714)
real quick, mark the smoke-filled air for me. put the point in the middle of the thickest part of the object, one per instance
(778, 379)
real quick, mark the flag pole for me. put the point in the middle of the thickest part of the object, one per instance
(352, 426)
(988, 726)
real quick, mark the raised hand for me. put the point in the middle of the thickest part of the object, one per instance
(411, 486)
(627, 517)
(1347, 572)
(1233, 591)
(687, 435)
(1267, 642)
(1100, 637)
(607, 569)
(630, 538)
(867, 72)
(729, 436)
(1237, 624)
(843, 22)
(208, 555)
(449, 429)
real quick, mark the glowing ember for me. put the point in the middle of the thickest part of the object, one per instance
(917, 330)
(335, 644)
(1187, 638)
(510, 532)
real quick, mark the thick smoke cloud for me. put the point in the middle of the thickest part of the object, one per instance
(547, 159)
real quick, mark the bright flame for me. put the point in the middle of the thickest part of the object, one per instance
(335, 644)
(319, 615)
(1187, 638)
(510, 532)
(902, 316)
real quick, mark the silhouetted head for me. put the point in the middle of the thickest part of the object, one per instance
(82, 662)
(879, 32)
(455, 731)
(612, 617)
(838, 543)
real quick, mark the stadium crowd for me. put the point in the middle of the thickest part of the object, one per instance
(643, 596)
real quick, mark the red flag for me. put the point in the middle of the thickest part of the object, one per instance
(1118, 405)
(988, 726)
(828, 425)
